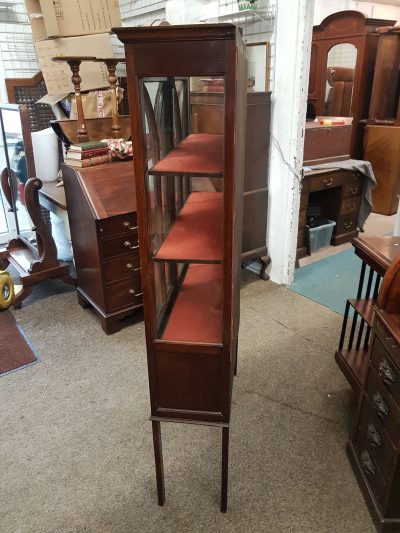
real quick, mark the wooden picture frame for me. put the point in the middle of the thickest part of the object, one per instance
(259, 62)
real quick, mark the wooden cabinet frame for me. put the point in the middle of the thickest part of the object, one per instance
(190, 380)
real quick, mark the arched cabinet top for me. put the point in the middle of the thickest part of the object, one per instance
(347, 24)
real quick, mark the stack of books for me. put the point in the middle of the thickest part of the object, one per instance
(87, 154)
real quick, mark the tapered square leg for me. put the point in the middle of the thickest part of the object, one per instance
(224, 476)
(158, 457)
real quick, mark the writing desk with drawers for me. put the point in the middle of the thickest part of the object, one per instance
(339, 192)
(102, 216)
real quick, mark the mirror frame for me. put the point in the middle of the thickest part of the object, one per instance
(23, 111)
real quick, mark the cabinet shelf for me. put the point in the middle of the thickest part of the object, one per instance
(196, 235)
(199, 154)
(201, 322)
(352, 363)
(365, 308)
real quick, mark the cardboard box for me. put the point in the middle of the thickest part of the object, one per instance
(57, 75)
(69, 18)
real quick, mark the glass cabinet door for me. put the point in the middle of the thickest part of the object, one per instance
(184, 195)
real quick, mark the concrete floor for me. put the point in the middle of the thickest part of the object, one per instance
(76, 448)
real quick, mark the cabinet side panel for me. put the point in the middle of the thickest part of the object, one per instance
(189, 381)
(84, 238)
(257, 141)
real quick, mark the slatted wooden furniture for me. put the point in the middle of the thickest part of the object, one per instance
(374, 447)
(101, 205)
(376, 254)
(190, 238)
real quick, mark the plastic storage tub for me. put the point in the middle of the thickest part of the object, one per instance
(320, 236)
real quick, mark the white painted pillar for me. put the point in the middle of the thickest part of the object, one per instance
(292, 57)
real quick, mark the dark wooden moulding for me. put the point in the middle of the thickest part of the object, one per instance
(374, 446)
(190, 381)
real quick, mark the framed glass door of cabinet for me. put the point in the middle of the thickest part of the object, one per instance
(184, 189)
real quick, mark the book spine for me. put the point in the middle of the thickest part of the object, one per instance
(95, 161)
(88, 145)
(85, 154)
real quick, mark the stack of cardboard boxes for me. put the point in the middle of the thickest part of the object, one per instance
(72, 28)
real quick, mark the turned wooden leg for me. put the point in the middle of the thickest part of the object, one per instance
(159, 461)
(224, 476)
(265, 261)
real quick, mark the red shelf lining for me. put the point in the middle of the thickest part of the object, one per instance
(199, 154)
(196, 235)
(197, 313)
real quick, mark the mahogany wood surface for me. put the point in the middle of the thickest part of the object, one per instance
(382, 150)
(207, 117)
(196, 235)
(354, 28)
(102, 215)
(199, 154)
(202, 322)
(374, 447)
(187, 381)
(385, 104)
(339, 193)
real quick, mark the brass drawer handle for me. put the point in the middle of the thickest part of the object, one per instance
(328, 181)
(367, 463)
(129, 266)
(348, 225)
(380, 405)
(352, 206)
(127, 225)
(129, 245)
(137, 269)
(134, 293)
(373, 436)
(353, 190)
(386, 372)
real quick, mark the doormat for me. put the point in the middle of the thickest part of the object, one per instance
(329, 281)
(15, 349)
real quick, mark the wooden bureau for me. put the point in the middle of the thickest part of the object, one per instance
(382, 150)
(101, 204)
(374, 449)
(339, 192)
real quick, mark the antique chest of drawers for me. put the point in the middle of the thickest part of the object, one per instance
(374, 449)
(339, 193)
(101, 204)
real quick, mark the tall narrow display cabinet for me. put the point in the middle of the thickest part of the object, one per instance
(189, 195)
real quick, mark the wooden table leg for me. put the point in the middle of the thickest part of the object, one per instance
(224, 476)
(159, 461)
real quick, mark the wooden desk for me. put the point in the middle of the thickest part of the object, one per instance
(339, 192)
(377, 253)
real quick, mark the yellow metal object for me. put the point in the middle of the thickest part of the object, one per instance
(6, 290)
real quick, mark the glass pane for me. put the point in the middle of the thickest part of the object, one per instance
(18, 173)
(184, 137)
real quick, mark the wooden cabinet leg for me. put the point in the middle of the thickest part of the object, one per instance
(265, 261)
(159, 461)
(224, 476)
